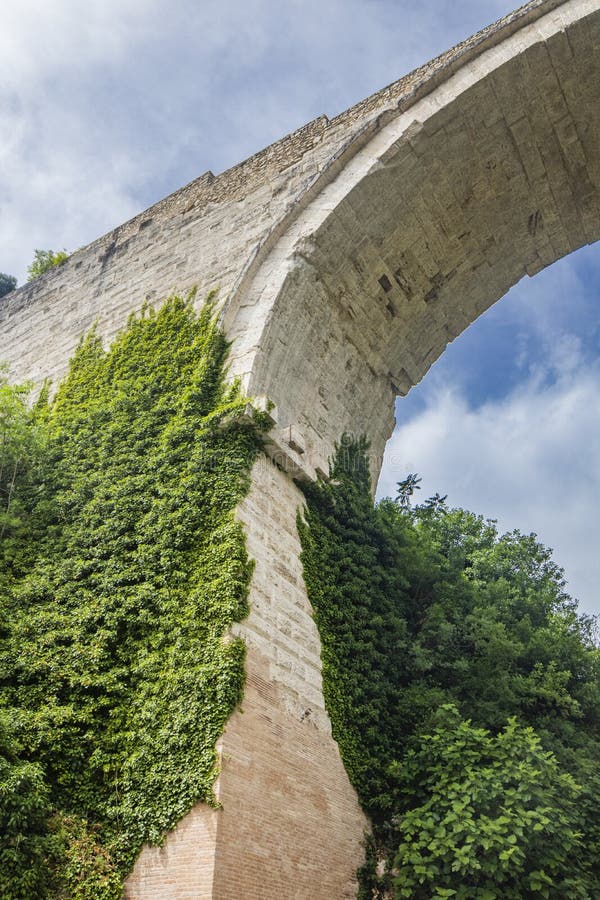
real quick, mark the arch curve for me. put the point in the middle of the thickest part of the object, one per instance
(432, 213)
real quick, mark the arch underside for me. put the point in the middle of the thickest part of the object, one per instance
(494, 176)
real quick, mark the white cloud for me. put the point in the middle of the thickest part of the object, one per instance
(531, 461)
(107, 106)
(43, 39)
(64, 180)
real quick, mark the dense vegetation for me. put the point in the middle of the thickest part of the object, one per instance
(464, 692)
(121, 570)
(463, 687)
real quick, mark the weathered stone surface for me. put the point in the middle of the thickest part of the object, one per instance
(347, 256)
(489, 177)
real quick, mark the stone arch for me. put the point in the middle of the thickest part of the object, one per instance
(427, 221)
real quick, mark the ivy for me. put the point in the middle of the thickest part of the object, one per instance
(359, 600)
(115, 670)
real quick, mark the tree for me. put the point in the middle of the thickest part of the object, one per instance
(487, 816)
(44, 260)
(406, 488)
(22, 454)
(419, 606)
(7, 283)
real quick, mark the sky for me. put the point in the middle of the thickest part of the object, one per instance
(108, 106)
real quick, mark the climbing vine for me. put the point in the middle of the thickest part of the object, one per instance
(115, 674)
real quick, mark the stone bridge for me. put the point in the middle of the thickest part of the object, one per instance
(347, 256)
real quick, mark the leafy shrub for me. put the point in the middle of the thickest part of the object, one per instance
(44, 260)
(486, 816)
(27, 846)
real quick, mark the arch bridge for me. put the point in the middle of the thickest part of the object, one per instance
(347, 256)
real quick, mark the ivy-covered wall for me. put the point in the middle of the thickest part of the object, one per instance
(122, 570)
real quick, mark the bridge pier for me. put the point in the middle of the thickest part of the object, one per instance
(290, 824)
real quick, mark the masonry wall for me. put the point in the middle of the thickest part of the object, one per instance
(290, 825)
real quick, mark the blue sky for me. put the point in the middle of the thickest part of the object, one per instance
(506, 422)
(106, 107)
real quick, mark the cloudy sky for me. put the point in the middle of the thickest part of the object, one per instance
(107, 106)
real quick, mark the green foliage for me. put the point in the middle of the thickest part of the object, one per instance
(7, 283)
(486, 816)
(27, 847)
(406, 488)
(44, 260)
(420, 607)
(358, 596)
(113, 663)
(21, 451)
